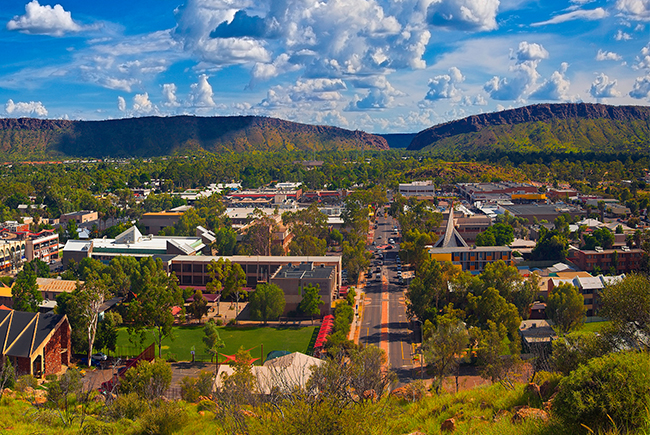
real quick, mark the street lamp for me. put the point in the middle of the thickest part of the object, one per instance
(421, 349)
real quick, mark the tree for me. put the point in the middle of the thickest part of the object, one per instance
(212, 340)
(524, 296)
(266, 302)
(225, 241)
(552, 245)
(355, 259)
(493, 362)
(107, 331)
(25, 293)
(627, 305)
(575, 349)
(234, 279)
(428, 292)
(497, 235)
(311, 300)
(259, 235)
(602, 237)
(90, 297)
(199, 306)
(490, 307)
(40, 268)
(565, 307)
(215, 272)
(444, 348)
(309, 229)
(156, 294)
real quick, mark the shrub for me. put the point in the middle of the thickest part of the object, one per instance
(51, 377)
(219, 322)
(26, 381)
(126, 406)
(193, 388)
(615, 386)
(148, 380)
(232, 322)
(164, 418)
(96, 427)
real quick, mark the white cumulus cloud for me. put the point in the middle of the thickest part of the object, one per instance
(121, 104)
(607, 55)
(622, 36)
(479, 15)
(25, 109)
(444, 86)
(44, 20)
(641, 88)
(555, 88)
(603, 87)
(142, 104)
(527, 57)
(634, 9)
(169, 94)
(201, 93)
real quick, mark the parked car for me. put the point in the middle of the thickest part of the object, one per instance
(99, 356)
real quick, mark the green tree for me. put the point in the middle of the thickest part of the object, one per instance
(212, 340)
(199, 306)
(355, 259)
(493, 361)
(266, 302)
(497, 235)
(225, 241)
(311, 300)
(40, 268)
(565, 307)
(524, 296)
(90, 297)
(25, 293)
(234, 279)
(575, 349)
(551, 245)
(627, 304)
(444, 348)
(428, 293)
(107, 331)
(157, 293)
(602, 237)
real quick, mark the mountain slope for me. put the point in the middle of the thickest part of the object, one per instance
(155, 136)
(543, 128)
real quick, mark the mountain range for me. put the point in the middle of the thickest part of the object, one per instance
(158, 136)
(557, 128)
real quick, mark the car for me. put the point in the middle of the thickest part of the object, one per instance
(378, 237)
(399, 267)
(99, 356)
(399, 273)
(379, 276)
(374, 243)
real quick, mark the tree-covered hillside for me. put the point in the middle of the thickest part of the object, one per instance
(558, 128)
(23, 139)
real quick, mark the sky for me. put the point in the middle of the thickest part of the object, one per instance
(382, 66)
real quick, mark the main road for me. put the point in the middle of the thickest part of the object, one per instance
(384, 322)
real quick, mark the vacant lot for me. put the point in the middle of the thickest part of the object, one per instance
(292, 339)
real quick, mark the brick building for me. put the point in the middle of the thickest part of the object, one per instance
(623, 260)
(80, 217)
(293, 278)
(36, 343)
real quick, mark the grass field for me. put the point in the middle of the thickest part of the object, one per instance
(292, 339)
(594, 326)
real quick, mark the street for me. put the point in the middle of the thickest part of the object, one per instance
(384, 322)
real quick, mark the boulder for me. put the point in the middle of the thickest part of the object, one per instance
(532, 389)
(247, 413)
(369, 395)
(546, 390)
(448, 425)
(39, 401)
(500, 414)
(527, 413)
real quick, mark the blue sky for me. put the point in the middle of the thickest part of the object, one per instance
(373, 65)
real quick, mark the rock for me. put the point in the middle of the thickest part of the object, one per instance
(99, 398)
(448, 425)
(8, 393)
(400, 393)
(202, 413)
(39, 401)
(247, 413)
(417, 432)
(527, 413)
(28, 390)
(485, 405)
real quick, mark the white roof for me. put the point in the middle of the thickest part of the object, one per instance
(284, 373)
(590, 222)
(588, 283)
(77, 245)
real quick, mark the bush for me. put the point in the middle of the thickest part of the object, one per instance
(193, 388)
(51, 377)
(96, 427)
(26, 381)
(219, 322)
(148, 380)
(615, 386)
(126, 406)
(232, 322)
(164, 418)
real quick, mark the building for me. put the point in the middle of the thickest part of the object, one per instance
(623, 260)
(453, 248)
(153, 223)
(466, 226)
(37, 344)
(590, 287)
(418, 188)
(292, 278)
(50, 288)
(540, 212)
(12, 251)
(132, 243)
(43, 245)
(494, 191)
(193, 270)
(80, 217)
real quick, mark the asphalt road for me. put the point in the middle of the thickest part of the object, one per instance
(384, 322)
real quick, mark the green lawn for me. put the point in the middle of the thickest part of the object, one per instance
(594, 326)
(291, 339)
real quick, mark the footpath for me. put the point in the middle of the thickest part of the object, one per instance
(359, 301)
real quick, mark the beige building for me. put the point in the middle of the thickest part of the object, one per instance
(293, 278)
(79, 217)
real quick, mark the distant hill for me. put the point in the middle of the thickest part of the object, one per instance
(543, 128)
(398, 140)
(28, 138)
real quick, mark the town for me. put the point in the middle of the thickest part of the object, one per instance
(436, 284)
